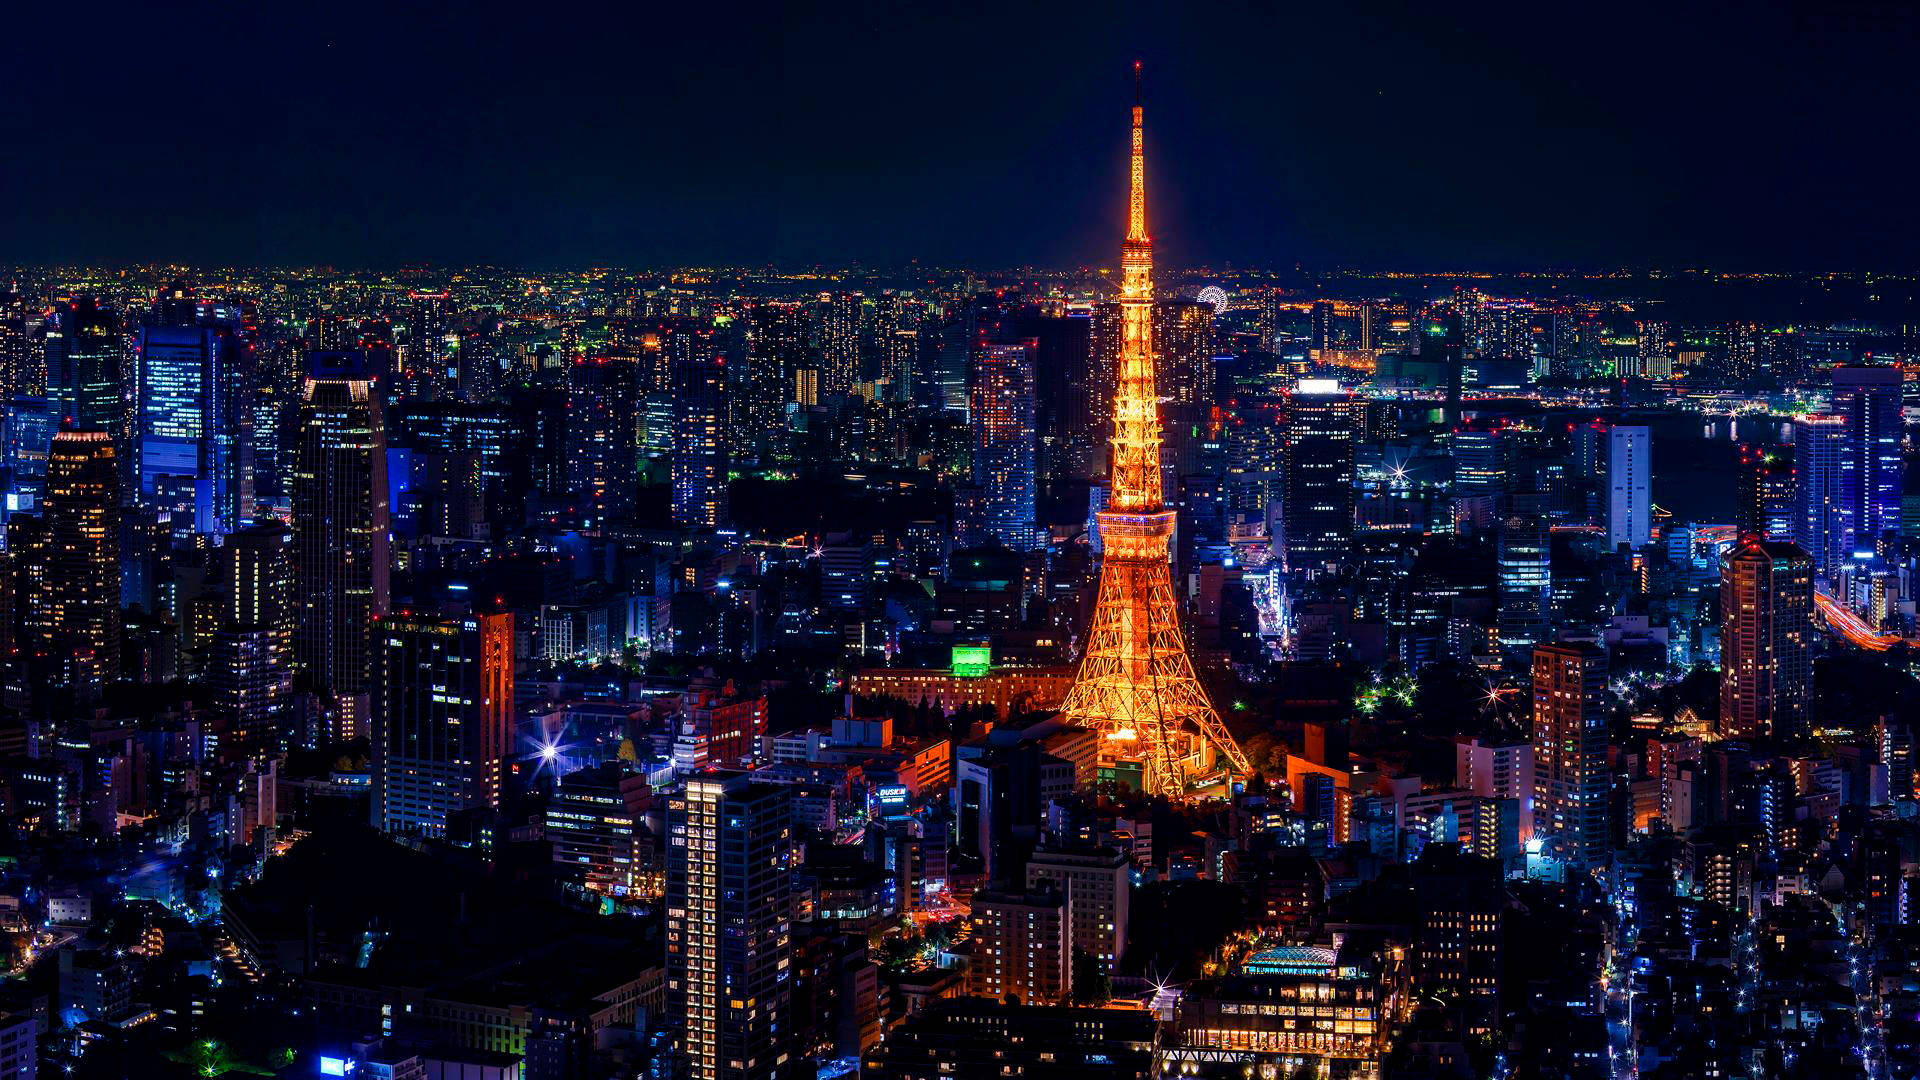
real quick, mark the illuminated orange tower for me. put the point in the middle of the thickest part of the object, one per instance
(1136, 686)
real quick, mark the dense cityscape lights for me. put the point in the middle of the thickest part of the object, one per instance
(925, 669)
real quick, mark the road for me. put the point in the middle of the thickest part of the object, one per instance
(1852, 627)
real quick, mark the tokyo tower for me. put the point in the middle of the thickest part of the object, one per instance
(1136, 687)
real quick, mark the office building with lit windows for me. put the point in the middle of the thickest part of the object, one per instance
(729, 925)
(1322, 425)
(1825, 482)
(1763, 492)
(599, 842)
(189, 404)
(85, 361)
(1525, 586)
(1629, 486)
(1312, 1010)
(442, 718)
(1868, 401)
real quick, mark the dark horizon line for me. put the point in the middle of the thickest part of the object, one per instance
(1298, 267)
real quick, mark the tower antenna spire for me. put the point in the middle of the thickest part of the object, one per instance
(1137, 201)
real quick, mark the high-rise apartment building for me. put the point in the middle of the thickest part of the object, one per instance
(699, 463)
(1498, 771)
(601, 437)
(1023, 946)
(340, 539)
(1096, 883)
(80, 610)
(757, 395)
(729, 925)
(840, 336)
(1000, 407)
(1767, 639)
(1459, 908)
(426, 371)
(1629, 486)
(1571, 780)
(1183, 336)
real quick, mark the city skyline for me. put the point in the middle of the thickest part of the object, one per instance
(1108, 673)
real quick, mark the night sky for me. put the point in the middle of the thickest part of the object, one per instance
(1438, 135)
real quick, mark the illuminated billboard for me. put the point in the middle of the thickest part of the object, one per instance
(972, 661)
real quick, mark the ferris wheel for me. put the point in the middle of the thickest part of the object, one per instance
(1215, 297)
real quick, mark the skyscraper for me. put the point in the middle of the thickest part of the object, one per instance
(1824, 477)
(340, 538)
(1570, 752)
(85, 361)
(601, 437)
(1526, 577)
(425, 371)
(1136, 686)
(1183, 340)
(1105, 332)
(1763, 492)
(442, 718)
(250, 658)
(1766, 640)
(1868, 400)
(699, 462)
(1000, 406)
(190, 417)
(729, 925)
(1323, 423)
(81, 608)
(1629, 487)
(757, 396)
(1480, 460)
(27, 425)
(840, 328)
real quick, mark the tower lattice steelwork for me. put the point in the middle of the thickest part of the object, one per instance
(1136, 686)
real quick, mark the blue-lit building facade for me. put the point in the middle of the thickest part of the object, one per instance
(1825, 478)
(1867, 399)
(84, 358)
(189, 425)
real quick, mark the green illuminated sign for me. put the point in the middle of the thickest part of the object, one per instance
(972, 661)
